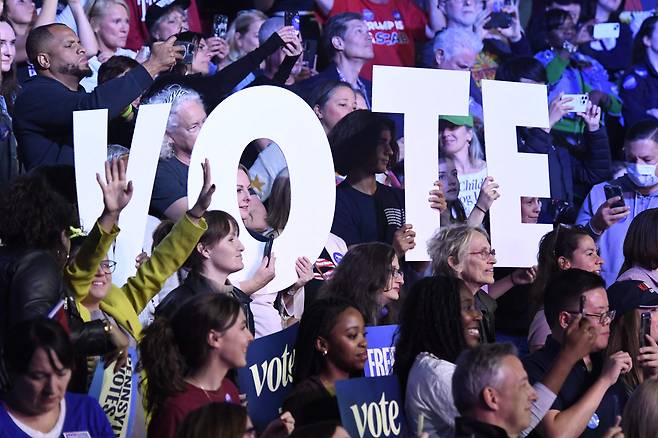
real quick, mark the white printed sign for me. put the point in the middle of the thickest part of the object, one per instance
(283, 117)
(506, 106)
(421, 95)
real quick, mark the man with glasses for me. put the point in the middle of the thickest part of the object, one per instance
(590, 398)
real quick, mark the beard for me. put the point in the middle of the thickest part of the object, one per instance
(76, 70)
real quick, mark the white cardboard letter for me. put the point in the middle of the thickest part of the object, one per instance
(90, 153)
(422, 95)
(506, 106)
(90, 143)
(144, 152)
(280, 115)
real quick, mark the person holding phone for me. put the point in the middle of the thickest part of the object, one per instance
(632, 300)
(571, 72)
(592, 395)
(608, 224)
(615, 54)
(572, 173)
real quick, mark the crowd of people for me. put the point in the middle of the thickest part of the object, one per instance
(567, 347)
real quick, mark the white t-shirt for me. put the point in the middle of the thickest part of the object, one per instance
(469, 188)
(55, 432)
(429, 392)
(92, 81)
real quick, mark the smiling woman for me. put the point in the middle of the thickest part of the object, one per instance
(443, 310)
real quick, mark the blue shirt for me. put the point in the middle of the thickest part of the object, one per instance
(576, 385)
(611, 242)
(361, 218)
(83, 414)
(169, 186)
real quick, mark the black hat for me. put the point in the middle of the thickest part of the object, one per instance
(627, 295)
(162, 7)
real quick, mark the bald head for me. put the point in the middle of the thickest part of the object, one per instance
(55, 50)
(38, 41)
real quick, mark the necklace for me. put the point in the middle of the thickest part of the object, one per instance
(198, 385)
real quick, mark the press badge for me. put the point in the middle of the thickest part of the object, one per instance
(593, 422)
(83, 434)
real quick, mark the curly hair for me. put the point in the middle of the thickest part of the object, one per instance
(431, 322)
(171, 347)
(32, 215)
(361, 277)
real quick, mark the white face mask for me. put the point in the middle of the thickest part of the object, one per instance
(642, 175)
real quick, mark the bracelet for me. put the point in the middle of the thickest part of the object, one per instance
(480, 208)
(127, 112)
(596, 232)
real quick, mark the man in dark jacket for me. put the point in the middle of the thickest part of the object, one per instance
(491, 392)
(43, 117)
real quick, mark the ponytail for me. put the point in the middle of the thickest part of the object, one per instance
(171, 348)
(163, 363)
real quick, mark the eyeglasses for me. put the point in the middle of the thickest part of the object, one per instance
(604, 318)
(485, 254)
(108, 266)
(396, 273)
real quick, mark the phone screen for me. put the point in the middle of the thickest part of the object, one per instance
(645, 327)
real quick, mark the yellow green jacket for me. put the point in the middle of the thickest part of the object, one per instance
(125, 303)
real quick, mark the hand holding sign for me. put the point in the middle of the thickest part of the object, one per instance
(437, 197)
(403, 240)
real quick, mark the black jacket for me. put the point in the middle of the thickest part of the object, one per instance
(43, 114)
(573, 171)
(196, 284)
(30, 287)
(213, 89)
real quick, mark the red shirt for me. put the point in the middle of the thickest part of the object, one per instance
(176, 408)
(394, 27)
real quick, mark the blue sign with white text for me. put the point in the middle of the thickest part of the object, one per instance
(381, 350)
(267, 378)
(371, 407)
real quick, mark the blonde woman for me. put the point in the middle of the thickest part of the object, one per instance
(242, 35)
(110, 21)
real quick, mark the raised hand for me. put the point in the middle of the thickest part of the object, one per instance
(558, 108)
(117, 192)
(203, 201)
(164, 55)
(592, 117)
(489, 192)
